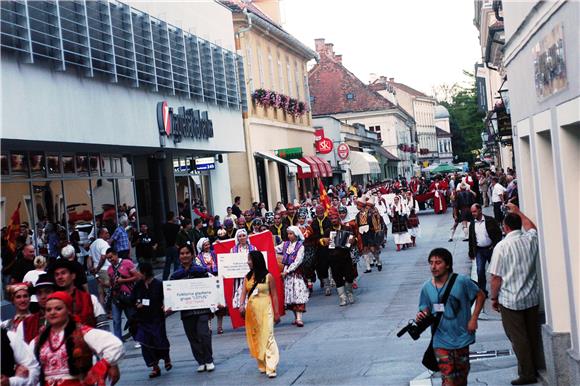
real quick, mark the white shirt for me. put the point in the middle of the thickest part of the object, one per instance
(514, 260)
(481, 237)
(98, 248)
(496, 191)
(24, 356)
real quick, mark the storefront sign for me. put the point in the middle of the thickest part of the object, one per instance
(324, 146)
(318, 134)
(192, 294)
(343, 151)
(293, 152)
(188, 123)
(205, 163)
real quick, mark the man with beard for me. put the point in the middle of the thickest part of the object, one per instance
(320, 226)
(339, 258)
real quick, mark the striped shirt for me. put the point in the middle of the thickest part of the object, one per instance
(514, 260)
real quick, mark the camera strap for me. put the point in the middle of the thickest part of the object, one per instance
(439, 315)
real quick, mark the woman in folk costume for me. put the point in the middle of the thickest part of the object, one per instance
(439, 188)
(398, 214)
(65, 349)
(242, 246)
(260, 310)
(413, 219)
(295, 290)
(208, 260)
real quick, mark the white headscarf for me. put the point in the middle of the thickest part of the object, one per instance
(297, 232)
(238, 233)
(200, 243)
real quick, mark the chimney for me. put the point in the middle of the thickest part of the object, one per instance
(391, 79)
(372, 77)
(329, 49)
(271, 8)
(383, 79)
(319, 45)
(338, 58)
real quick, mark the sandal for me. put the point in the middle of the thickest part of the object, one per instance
(220, 331)
(299, 323)
(168, 366)
(156, 372)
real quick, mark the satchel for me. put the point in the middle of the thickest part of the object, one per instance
(429, 358)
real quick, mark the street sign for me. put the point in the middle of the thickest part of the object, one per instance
(343, 151)
(324, 146)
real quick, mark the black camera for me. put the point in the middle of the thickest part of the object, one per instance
(415, 329)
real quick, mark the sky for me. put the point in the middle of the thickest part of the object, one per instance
(422, 43)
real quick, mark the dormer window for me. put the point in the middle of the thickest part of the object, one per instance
(312, 99)
(349, 96)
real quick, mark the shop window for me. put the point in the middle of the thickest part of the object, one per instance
(125, 195)
(4, 164)
(127, 164)
(117, 168)
(82, 164)
(49, 207)
(94, 164)
(104, 205)
(53, 164)
(37, 164)
(79, 212)
(19, 164)
(16, 199)
(183, 196)
(68, 164)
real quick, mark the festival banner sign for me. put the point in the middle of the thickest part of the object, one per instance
(192, 294)
(235, 265)
(262, 242)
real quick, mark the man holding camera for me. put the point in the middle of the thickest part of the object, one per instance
(456, 326)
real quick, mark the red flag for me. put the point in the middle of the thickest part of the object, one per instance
(324, 199)
(263, 242)
(13, 229)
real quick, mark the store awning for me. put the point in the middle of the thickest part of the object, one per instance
(304, 170)
(387, 154)
(363, 163)
(314, 168)
(323, 166)
(292, 168)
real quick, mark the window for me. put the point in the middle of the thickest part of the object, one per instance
(297, 78)
(249, 66)
(280, 75)
(260, 67)
(289, 73)
(349, 96)
(271, 70)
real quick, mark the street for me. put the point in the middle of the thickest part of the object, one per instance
(350, 345)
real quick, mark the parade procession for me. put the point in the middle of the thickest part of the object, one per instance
(296, 192)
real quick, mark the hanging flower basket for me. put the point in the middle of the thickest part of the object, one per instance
(289, 105)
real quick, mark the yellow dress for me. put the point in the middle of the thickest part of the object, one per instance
(260, 327)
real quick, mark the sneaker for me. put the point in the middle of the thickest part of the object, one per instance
(210, 366)
(137, 345)
(272, 375)
(201, 369)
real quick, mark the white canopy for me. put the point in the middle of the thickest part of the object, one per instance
(363, 163)
(292, 168)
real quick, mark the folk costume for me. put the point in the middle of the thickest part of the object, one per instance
(366, 230)
(413, 219)
(279, 233)
(66, 356)
(319, 229)
(295, 290)
(398, 214)
(439, 189)
(341, 266)
(247, 248)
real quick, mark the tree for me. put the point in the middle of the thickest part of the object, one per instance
(466, 122)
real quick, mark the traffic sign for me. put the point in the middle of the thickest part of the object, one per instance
(343, 151)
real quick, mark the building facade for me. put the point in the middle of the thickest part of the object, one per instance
(113, 109)
(278, 116)
(337, 92)
(542, 62)
(443, 130)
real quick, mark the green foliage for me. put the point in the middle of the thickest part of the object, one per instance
(466, 122)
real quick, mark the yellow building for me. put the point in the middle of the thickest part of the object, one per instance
(278, 116)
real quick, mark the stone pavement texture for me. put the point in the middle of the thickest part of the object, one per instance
(351, 345)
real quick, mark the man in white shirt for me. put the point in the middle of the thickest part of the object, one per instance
(98, 263)
(515, 291)
(497, 198)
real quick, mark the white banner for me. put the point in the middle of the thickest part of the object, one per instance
(193, 294)
(235, 265)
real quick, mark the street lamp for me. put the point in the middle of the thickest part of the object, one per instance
(504, 95)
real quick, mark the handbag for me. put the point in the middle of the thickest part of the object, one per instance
(429, 358)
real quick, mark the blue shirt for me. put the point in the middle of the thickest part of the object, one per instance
(121, 239)
(452, 330)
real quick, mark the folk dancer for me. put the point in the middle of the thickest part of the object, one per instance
(340, 260)
(439, 188)
(320, 226)
(356, 244)
(379, 229)
(295, 290)
(242, 246)
(398, 215)
(413, 219)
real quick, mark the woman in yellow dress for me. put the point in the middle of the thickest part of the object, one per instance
(260, 310)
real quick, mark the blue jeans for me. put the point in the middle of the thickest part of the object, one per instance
(117, 320)
(482, 256)
(170, 258)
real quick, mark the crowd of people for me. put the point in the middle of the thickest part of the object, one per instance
(321, 239)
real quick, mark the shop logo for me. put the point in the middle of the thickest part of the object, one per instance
(324, 146)
(343, 151)
(188, 123)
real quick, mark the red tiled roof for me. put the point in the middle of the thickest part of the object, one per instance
(330, 82)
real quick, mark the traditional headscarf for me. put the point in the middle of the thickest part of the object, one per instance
(200, 243)
(297, 232)
(64, 297)
(238, 233)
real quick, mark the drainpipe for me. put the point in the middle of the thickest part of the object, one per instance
(253, 178)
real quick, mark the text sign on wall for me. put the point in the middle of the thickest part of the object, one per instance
(188, 123)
